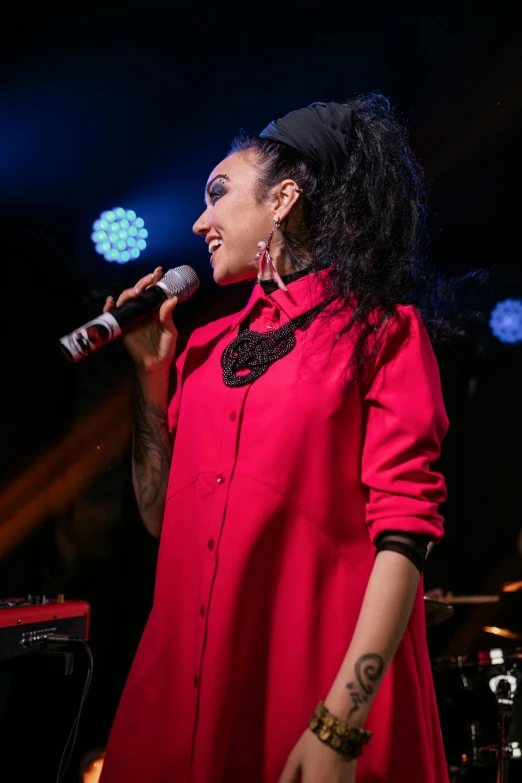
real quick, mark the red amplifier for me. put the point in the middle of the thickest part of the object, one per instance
(25, 623)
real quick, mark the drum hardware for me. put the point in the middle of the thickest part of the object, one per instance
(436, 611)
(480, 706)
(504, 688)
(480, 699)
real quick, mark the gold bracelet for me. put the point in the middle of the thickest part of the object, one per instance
(337, 734)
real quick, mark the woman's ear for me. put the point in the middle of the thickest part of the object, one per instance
(286, 196)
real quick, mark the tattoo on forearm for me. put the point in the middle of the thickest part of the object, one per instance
(368, 669)
(152, 450)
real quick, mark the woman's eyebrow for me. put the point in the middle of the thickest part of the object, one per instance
(209, 184)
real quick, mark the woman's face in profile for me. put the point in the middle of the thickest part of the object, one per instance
(234, 221)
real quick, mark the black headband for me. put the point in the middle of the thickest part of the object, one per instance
(321, 132)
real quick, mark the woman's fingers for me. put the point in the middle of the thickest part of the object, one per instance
(165, 312)
(141, 285)
(148, 280)
(156, 275)
(128, 294)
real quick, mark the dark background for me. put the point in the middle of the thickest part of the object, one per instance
(104, 106)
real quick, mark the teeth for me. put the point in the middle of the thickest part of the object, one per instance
(214, 245)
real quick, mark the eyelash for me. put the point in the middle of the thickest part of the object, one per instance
(216, 193)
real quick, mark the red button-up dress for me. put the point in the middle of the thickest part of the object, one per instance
(276, 493)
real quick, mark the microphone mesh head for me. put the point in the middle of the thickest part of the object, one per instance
(181, 282)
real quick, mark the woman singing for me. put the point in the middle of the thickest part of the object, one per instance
(289, 477)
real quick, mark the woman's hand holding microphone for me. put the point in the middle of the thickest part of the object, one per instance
(152, 346)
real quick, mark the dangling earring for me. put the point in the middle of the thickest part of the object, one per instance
(266, 261)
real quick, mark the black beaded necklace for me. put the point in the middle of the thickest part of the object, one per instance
(256, 351)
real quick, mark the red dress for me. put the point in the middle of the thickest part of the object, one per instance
(276, 493)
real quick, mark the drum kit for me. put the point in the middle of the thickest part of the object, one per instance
(479, 698)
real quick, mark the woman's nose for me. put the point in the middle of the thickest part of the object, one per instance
(202, 224)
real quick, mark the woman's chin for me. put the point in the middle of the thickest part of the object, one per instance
(226, 276)
(222, 277)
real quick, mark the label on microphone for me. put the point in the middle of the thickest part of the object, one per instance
(90, 337)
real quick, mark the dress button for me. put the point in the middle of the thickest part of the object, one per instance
(196, 680)
(232, 416)
(220, 479)
(210, 544)
(269, 326)
(202, 611)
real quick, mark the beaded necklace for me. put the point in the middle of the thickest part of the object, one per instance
(256, 351)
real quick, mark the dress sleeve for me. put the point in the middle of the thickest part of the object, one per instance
(405, 424)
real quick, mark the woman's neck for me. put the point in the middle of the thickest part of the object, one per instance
(269, 286)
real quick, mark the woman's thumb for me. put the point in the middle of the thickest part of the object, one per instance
(165, 313)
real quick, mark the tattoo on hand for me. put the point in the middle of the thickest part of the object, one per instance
(368, 669)
(152, 450)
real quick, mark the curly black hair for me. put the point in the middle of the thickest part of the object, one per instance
(367, 219)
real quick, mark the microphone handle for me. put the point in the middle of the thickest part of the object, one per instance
(107, 327)
(132, 313)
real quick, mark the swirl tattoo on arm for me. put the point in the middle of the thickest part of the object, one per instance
(368, 669)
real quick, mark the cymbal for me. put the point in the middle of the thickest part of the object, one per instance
(436, 611)
(505, 632)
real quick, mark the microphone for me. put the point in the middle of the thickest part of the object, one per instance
(181, 282)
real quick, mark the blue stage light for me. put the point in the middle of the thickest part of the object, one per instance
(506, 321)
(119, 235)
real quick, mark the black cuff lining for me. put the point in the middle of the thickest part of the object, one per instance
(410, 545)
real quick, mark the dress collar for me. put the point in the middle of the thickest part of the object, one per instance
(302, 294)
